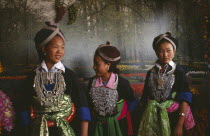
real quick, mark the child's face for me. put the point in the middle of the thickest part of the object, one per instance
(165, 53)
(100, 67)
(54, 50)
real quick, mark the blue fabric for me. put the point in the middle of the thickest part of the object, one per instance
(49, 87)
(105, 83)
(84, 113)
(186, 96)
(132, 105)
(169, 67)
(169, 96)
(24, 118)
(53, 70)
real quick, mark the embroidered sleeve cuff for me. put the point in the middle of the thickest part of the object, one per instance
(132, 105)
(84, 113)
(186, 96)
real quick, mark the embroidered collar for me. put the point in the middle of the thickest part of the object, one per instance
(110, 84)
(55, 67)
(171, 65)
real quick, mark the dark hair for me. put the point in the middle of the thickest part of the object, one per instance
(168, 35)
(40, 55)
(111, 52)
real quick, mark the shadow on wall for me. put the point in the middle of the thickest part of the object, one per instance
(82, 69)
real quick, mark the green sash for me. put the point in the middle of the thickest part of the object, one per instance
(55, 113)
(155, 121)
(111, 122)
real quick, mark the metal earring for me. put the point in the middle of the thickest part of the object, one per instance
(107, 68)
(45, 54)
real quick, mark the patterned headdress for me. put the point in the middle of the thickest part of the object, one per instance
(167, 36)
(108, 52)
(46, 34)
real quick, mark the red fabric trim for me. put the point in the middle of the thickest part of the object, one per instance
(126, 113)
(124, 110)
(130, 126)
(51, 123)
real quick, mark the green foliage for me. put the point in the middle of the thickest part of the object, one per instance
(72, 14)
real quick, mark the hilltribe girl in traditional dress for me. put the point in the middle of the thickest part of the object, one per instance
(55, 89)
(110, 95)
(166, 90)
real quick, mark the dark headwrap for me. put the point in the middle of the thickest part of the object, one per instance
(164, 37)
(108, 52)
(46, 34)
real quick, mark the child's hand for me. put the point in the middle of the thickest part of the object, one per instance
(178, 131)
